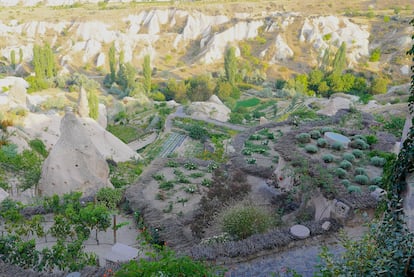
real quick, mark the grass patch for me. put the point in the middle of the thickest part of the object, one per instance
(125, 133)
(251, 102)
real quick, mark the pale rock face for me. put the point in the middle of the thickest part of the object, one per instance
(214, 50)
(213, 108)
(282, 50)
(74, 163)
(100, 60)
(102, 117)
(334, 105)
(341, 30)
(3, 195)
(405, 70)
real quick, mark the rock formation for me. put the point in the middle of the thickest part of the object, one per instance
(83, 107)
(74, 163)
(213, 108)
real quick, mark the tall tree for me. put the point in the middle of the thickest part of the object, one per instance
(13, 59)
(37, 62)
(230, 65)
(146, 71)
(339, 62)
(112, 64)
(49, 61)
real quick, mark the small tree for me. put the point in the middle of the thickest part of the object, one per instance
(146, 71)
(112, 63)
(230, 65)
(13, 59)
(379, 86)
(339, 62)
(93, 103)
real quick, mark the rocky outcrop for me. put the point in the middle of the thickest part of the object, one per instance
(14, 92)
(83, 107)
(213, 108)
(74, 163)
(280, 51)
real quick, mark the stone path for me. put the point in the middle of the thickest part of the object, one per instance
(303, 260)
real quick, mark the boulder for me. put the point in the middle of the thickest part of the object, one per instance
(103, 116)
(300, 231)
(213, 108)
(74, 163)
(326, 226)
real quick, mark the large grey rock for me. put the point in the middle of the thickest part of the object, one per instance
(74, 163)
(300, 231)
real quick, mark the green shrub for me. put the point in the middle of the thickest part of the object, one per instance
(315, 134)
(242, 221)
(166, 185)
(377, 161)
(362, 179)
(348, 157)
(310, 148)
(109, 197)
(322, 143)
(328, 158)
(341, 173)
(206, 182)
(357, 153)
(359, 144)
(159, 177)
(303, 138)
(371, 139)
(345, 164)
(326, 129)
(375, 55)
(337, 146)
(346, 183)
(38, 146)
(360, 171)
(372, 187)
(354, 189)
(359, 137)
(377, 181)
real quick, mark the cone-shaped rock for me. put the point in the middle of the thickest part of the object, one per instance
(83, 106)
(74, 163)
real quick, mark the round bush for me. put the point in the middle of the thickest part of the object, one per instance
(361, 137)
(345, 164)
(358, 153)
(349, 157)
(326, 129)
(303, 138)
(337, 146)
(322, 143)
(377, 181)
(243, 221)
(346, 183)
(310, 148)
(341, 173)
(360, 171)
(372, 187)
(315, 134)
(359, 144)
(328, 158)
(362, 179)
(377, 161)
(354, 189)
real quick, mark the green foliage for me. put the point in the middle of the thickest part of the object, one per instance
(44, 63)
(242, 221)
(230, 65)
(362, 179)
(13, 59)
(112, 63)
(157, 96)
(348, 157)
(341, 173)
(393, 125)
(357, 153)
(315, 134)
(311, 148)
(337, 146)
(359, 144)
(126, 78)
(38, 146)
(124, 173)
(303, 138)
(146, 71)
(322, 143)
(346, 183)
(371, 139)
(345, 165)
(379, 86)
(328, 158)
(360, 171)
(354, 189)
(377, 161)
(326, 129)
(125, 133)
(93, 103)
(166, 263)
(339, 62)
(109, 197)
(247, 103)
(176, 90)
(200, 88)
(375, 55)
(197, 132)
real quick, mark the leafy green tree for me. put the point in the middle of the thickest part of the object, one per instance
(339, 61)
(126, 77)
(348, 80)
(335, 82)
(379, 86)
(96, 217)
(200, 88)
(176, 90)
(323, 88)
(230, 65)
(375, 55)
(112, 63)
(13, 59)
(224, 90)
(315, 78)
(360, 85)
(93, 103)
(146, 71)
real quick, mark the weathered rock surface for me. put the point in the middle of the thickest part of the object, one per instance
(213, 108)
(74, 163)
(3, 195)
(83, 107)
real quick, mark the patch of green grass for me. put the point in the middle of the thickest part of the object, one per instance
(251, 102)
(125, 133)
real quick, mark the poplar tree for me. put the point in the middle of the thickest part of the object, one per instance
(146, 70)
(112, 63)
(13, 59)
(230, 65)
(339, 62)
